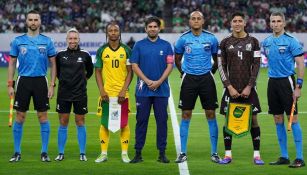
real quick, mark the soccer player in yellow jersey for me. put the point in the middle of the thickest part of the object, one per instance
(113, 76)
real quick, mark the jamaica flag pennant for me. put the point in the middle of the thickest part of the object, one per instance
(238, 119)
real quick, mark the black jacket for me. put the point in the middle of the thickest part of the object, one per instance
(74, 67)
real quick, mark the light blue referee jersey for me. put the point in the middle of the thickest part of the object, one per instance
(151, 58)
(281, 52)
(32, 54)
(196, 51)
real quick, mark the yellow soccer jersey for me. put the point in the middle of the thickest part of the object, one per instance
(113, 64)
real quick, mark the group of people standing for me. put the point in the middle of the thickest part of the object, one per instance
(237, 59)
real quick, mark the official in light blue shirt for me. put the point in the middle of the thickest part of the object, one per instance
(197, 51)
(32, 53)
(283, 51)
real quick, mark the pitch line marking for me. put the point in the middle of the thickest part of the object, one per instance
(183, 167)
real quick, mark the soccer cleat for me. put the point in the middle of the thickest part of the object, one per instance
(60, 157)
(15, 158)
(181, 158)
(137, 159)
(297, 163)
(102, 158)
(258, 161)
(226, 160)
(83, 157)
(215, 158)
(281, 161)
(163, 159)
(45, 157)
(125, 158)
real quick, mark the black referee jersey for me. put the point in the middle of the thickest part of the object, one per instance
(74, 67)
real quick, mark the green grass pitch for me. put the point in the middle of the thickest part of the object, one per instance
(198, 144)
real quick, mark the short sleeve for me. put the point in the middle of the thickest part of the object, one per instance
(215, 45)
(98, 63)
(296, 48)
(179, 46)
(14, 49)
(51, 49)
(135, 56)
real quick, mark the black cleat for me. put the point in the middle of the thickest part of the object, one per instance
(281, 161)
(45, 157)
(215, 158)
(137, 159)
(16, 157)
(297, 163)
(181, 158)
(163, 159)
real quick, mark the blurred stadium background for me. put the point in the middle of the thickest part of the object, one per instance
(90, 17)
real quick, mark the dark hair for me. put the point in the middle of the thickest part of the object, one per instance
(238, 14)
(113, 23)
(33, 12)
(153, 19)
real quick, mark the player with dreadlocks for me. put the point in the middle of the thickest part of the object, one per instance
(113, 76)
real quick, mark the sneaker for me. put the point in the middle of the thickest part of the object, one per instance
(83, 157)
(125, 158)
(102, 158)
(226, 160)
(281, 161)
(181, 158)
(297, 163)
(137, 159)
(163, 159)
(60, 157)
(215, 158)
(258, 161)
(45, 157)
(16, 157)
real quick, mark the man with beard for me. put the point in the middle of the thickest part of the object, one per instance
(152, 61)
(33, 52)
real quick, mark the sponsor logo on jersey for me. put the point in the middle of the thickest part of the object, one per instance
(207, 46)
(42, 49)
(248, 47)
(231, 47)
(23, 50)
(282, 49)
(107, 56)
(79, 60)
(187, 49)
(161, 52)
(65, 58)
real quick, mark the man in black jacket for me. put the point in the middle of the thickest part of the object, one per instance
(75, 67)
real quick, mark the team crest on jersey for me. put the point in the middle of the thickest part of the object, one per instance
(187, 49)
(23, 50)
(282, 49)
(121, 56)
(207, 46)
(161, 52)
(248, 47)
(42, 50)
(79, 60)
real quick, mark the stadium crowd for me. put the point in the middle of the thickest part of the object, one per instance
(93, 15)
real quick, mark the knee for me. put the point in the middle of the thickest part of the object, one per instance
(79, 120)
(20, 117)
(186, 115)
(42, 117)
(210, 114)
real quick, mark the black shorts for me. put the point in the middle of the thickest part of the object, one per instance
(280, 91)
(252, 99)
(193, 86)
(80, 107)
(27, 87)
